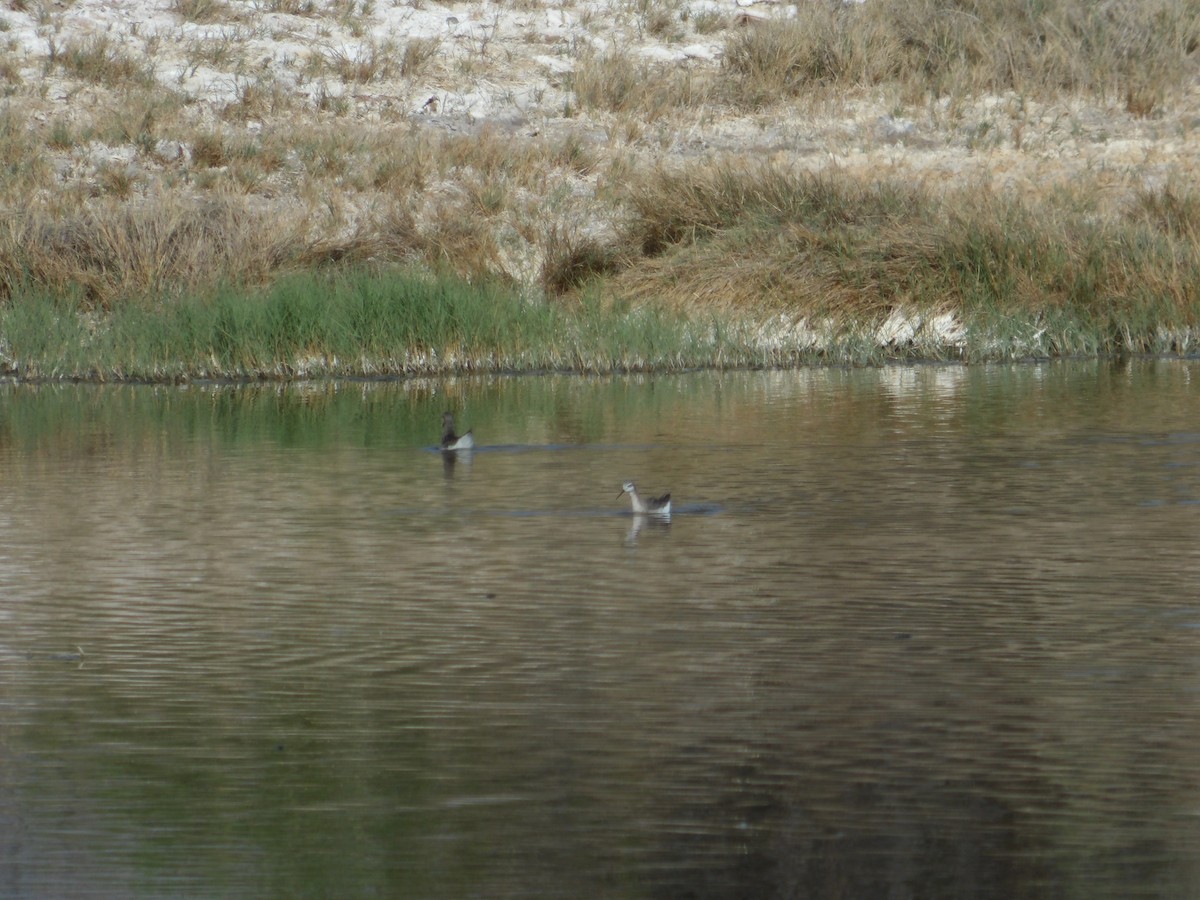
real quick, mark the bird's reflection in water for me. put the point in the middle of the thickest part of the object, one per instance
(451, 458)
(651, 523)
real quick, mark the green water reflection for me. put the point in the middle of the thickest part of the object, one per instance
(918, 631)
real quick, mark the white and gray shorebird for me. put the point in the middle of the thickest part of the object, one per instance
(653, 506)
(452, 441)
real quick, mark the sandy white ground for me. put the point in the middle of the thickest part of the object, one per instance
(505, 64)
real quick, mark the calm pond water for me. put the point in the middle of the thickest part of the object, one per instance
(927, 632)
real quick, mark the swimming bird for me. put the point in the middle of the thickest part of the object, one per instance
(656, 506)
(452, 441)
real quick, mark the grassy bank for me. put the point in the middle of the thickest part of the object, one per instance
(350, 323)
(611, 186)
(710, 264)
(1069, 273)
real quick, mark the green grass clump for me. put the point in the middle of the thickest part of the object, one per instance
(352, 323)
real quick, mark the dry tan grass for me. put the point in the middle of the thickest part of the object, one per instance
(259, 97)
(619, 83)
(1141, 51)
(365, 63)
(532, 197)
(418, 56)
(10, 72)
(572, 259)
(25, 169)
(754, 237)
(1173, 209)
(401, 168)
(109, 243)
(113, 249)
(101, 59)
(205, 12)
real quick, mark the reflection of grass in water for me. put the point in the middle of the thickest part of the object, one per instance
(63, 419)
(538, 412)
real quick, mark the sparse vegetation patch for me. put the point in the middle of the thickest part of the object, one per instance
(102, 60)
